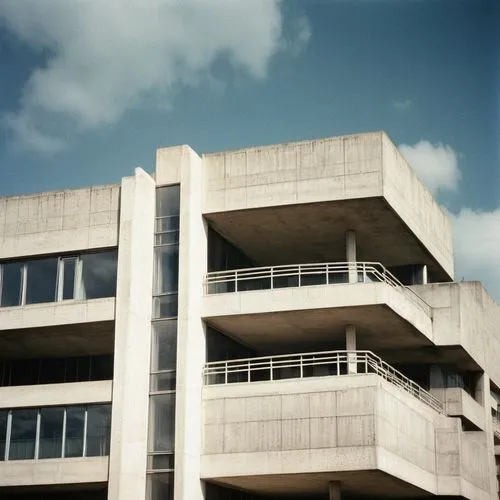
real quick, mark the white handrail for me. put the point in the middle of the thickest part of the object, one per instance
(271, 277)
(269, 368)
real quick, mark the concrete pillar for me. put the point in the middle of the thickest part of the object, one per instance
(191, 331)
(350, 345)
(424, 275)
(482, 396)
(334, 490)
(350, 244)
(129, 419)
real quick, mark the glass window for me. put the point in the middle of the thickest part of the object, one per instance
(24, 372)
(98, 275)
(162, 424)
(23, 434)
(52, 371)
(165, 306)
(11, 284)
(161, 461)
(68, 267)
(98, 430)
(51, 432)
(164, 348)
(166, 269)
(75, 422)
(41, 280)
(160, 486)
(101, 367)
(168, 200)
(3, 433)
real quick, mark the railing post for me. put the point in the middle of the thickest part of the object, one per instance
(301, 366)
(235, 281)
(300, 275)
(271, 368)
(225, 372)
(248, 375)
(272, 278)
(364, 272)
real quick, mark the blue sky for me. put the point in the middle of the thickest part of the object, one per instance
(89, 90)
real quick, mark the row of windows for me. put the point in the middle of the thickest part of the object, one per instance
(50, 279)
(55, 371)
(55, 432)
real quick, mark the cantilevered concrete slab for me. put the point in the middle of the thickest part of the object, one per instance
(293, 203)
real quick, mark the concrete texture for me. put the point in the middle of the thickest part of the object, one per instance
(54, 471)
(339, 425)
(74, 393)
(357, 181)
(190, 329)
(129, 422)
(275, 320)
(58, 222)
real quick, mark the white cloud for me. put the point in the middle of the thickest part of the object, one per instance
(403, 105)
(106, 57)
(477, 247)
(436, 165)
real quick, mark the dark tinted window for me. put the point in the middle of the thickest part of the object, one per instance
(3, 433)
(98, 275)
(23, 434)
(11, 284)
(51, 432)
(98, 430)
(41, 280)
(75, 418)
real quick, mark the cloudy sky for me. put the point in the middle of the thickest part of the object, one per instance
(89, 90)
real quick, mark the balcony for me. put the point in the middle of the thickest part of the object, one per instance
(317, 364)
(288, 425)
(309, 305)
(300, 275)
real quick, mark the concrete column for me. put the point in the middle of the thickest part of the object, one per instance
(350, 345)
(334, 490)
(424, 275)
(350, 244)
(129, 419)
(482, 396)
(191, 331)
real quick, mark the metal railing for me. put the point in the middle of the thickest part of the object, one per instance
(313, 364)
(298, 275)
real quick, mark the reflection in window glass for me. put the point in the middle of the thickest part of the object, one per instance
(51, 432)
(68, 282)
(165, 306)
(98, 277)
(162, 415)
(168, 200)
(75, 422)
(23, 434)
(166, 269)
(160, 486)
(41, 280)
(164, 346)
(3, 433)
(98, 430)
(11, 284)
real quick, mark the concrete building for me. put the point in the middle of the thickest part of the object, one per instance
(276, 322)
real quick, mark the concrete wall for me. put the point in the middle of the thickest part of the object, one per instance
(416, 206)
(190, 328)
(339, 424)
(68, 312)
(322, 170)
(59, 222)
(129, 424)
(54, 471)
(464, 314)
(55, 394)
